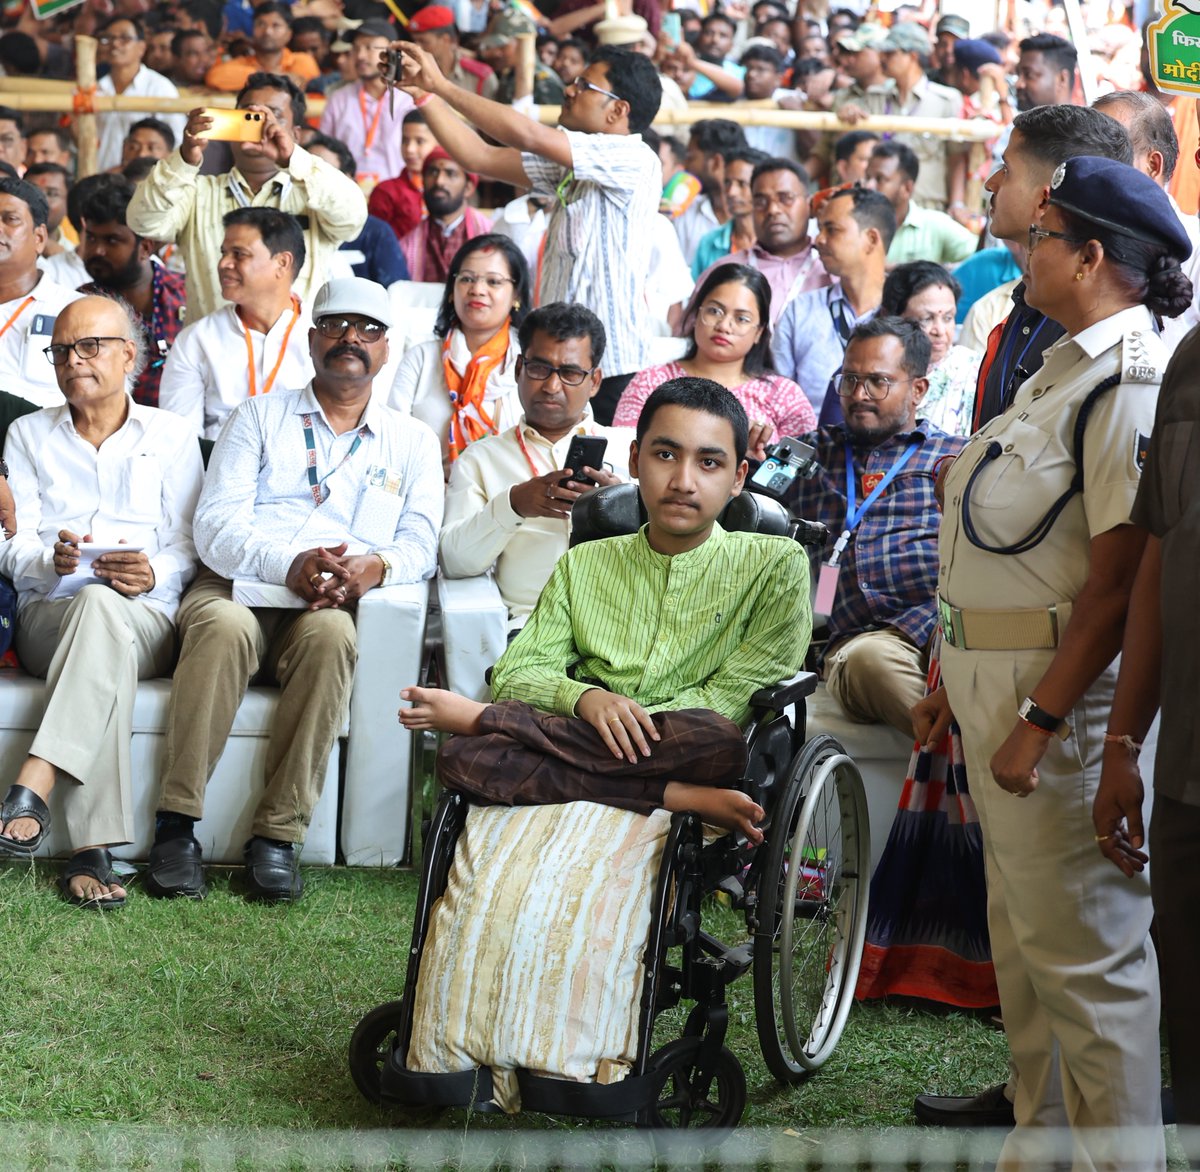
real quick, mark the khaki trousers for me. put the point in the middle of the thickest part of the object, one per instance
(92, 650)
(1070, 934)
(225, 646)
(877, 677)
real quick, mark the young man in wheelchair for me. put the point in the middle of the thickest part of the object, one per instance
(635, 670)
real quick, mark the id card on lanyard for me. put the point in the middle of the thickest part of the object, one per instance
(827, 580)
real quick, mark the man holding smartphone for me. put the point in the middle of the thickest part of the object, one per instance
(509, 499)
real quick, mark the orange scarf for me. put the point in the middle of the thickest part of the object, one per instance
(470, 420)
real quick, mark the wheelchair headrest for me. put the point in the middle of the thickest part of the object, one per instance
(617, 510)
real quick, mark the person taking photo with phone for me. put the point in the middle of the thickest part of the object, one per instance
(509, 500)
(177, 203)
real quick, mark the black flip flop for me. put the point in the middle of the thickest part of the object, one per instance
(96, 863)
(22, 802)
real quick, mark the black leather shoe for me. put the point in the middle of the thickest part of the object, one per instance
(272, 873)
(988, 1109)
(175, 869)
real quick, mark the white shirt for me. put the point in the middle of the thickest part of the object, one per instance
(696, 223)
(141, 486)
(420, 387)
(670, 276)
(65, 268)
(114, 128)
(481, 528)
(24, 369)
(256, 512)
(207, 373)
(524, 226)
(599, 238)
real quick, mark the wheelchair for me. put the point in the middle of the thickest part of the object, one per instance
(802, 892)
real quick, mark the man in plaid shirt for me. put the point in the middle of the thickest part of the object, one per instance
(123, 263)
(878, 581)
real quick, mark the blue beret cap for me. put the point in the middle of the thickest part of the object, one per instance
(1120, 198)
(971, 54)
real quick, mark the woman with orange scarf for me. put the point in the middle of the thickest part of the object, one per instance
(462, 382)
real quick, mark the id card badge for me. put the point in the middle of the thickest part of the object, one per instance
(827, 582)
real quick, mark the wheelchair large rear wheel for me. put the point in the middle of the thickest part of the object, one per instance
(812, 910)
(371, 1046)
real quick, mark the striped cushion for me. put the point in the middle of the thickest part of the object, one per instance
(533, 958)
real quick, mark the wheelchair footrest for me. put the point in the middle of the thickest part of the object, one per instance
(415, 1088)
(617, 1100)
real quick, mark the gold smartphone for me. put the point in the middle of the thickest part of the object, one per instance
(234, 125)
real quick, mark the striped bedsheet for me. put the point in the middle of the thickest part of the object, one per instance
(534, 954)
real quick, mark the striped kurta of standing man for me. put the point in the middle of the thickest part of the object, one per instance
(702, 629)
(600, 237)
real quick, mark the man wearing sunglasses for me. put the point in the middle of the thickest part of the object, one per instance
(509, 499)
(331, 494)
(604, 179)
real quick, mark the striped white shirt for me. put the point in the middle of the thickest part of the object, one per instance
(600, 238)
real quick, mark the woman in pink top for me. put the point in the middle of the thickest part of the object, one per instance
(730, 342)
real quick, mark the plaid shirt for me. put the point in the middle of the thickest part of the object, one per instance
(168, 318)
(888, 571)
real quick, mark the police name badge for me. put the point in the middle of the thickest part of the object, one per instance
(1174, 44)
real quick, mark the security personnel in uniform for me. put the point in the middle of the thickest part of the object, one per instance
(1037, 561)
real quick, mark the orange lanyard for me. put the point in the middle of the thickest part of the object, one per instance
(525, 452)
(250, 351)
(16, 314)
(369, 131)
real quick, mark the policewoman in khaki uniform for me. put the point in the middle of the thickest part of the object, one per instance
(1037, 560)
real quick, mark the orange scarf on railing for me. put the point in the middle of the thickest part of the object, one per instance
(471, 420)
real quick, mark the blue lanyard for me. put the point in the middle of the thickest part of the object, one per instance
(1008, 373)
(854, 511)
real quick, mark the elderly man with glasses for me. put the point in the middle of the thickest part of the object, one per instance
(105, 489)
(327, 492)
(875, 494)
(509, 500)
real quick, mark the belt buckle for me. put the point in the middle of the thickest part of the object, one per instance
(951, 632)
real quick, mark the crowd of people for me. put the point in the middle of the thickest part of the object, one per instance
(975, 364)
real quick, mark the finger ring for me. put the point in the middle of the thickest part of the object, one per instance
(315, 578)
(1102, 837)
(614, 720)
(549, 493)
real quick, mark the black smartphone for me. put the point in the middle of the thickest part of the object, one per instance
(586, 451)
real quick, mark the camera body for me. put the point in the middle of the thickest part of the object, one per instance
(787, 461)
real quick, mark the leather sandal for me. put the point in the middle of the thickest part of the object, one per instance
(22, 802)
(96, 863)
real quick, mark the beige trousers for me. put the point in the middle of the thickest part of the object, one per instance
(92, 650)
(877, 676)
(225, 646)
(1070, 934)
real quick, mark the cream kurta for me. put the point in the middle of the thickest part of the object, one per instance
(1070, 934)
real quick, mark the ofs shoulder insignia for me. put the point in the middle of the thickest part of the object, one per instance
(1143, 357)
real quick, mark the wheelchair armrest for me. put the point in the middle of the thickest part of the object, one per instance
(778, 696)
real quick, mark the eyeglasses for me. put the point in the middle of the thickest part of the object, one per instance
(337, 327)
(539, 371)
(116, 40)
(84, 347)
(739, 323)
(875, 386)
(1036, 235)
(785, 199)
(582, 84)
(929, 320)
(493, 281)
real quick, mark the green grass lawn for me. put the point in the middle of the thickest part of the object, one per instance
(230, 1015)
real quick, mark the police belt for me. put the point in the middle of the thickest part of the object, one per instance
(972, 629)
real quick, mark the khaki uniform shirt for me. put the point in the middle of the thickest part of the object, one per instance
(927, 100)
(1168, 504)
(1036, 464)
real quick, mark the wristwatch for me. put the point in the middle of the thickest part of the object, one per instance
(3, 467)
(1040, 718)
(387, 567)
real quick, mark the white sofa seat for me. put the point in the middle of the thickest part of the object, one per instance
(882, 757)
(232, 793)
(375, 791)
(474, 632)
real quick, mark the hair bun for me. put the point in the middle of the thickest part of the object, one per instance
(1168, 289)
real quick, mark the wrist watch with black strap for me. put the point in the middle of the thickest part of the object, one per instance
(1039, 718)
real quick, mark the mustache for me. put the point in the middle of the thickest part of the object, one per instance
(348, 348)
